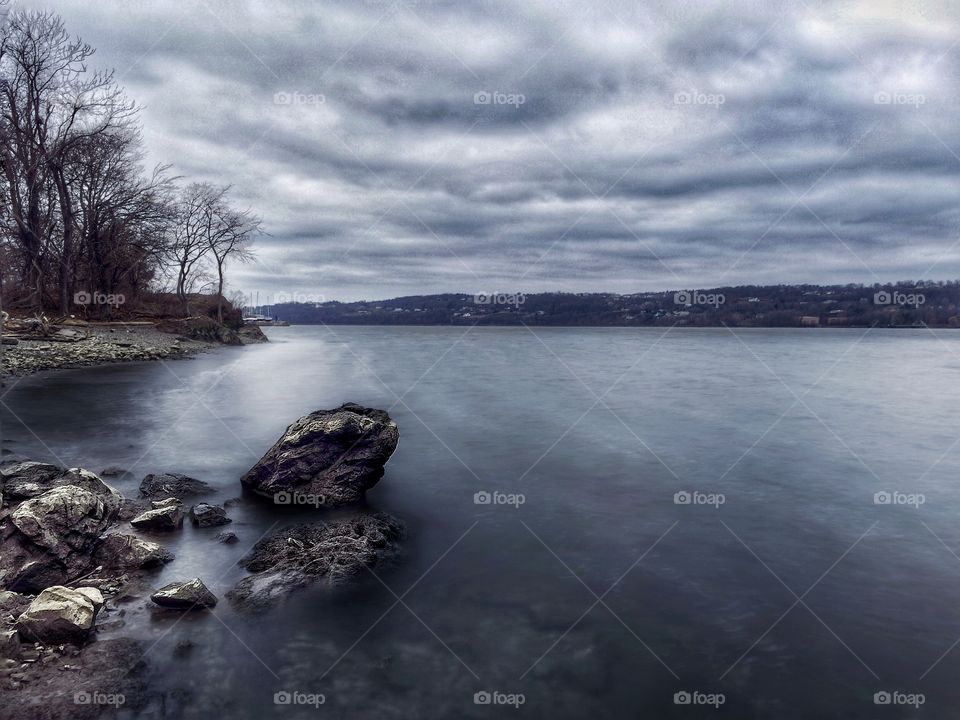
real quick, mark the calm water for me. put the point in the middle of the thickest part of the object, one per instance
(798, 597)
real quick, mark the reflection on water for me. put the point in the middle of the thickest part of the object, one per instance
(797, 597)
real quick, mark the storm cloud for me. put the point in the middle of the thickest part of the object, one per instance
(416, 147)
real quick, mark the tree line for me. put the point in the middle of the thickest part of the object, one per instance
(81, 218)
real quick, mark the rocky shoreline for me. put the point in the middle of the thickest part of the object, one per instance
(77, 344)
(74, 553)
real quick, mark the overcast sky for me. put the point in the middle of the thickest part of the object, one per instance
(420, 147)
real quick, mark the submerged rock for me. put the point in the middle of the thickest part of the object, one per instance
(60, 615)
(205, 515)
(114, 471)
(188, 595)
(298, 556)
(228, 538)
(328, 458)
(168, 485)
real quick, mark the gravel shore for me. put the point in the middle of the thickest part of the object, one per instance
(102, 345)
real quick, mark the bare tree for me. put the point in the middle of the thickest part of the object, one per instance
(49, 103)
(230, 234)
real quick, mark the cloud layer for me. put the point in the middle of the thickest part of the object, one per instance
(415, 147)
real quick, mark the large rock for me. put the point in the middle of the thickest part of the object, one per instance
(295, 557)
(205, 515)
(189, 595)
(328, 458)
(164, 518)
(50, 538)
(126, 553)
(168, 485)
(60, 615)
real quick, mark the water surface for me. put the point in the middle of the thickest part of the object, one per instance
(798, 597)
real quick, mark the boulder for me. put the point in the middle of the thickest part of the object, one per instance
(126, 553)
(295, 557)
(188, 595)
(60, 615)
(329, 457)
(51, 537)
(228, 538)
(168, 517)
(168, 485)
(205, 515)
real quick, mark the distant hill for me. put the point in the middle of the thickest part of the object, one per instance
(902, 305)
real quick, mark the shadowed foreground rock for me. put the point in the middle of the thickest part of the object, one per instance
(295, 557)
(329, 457)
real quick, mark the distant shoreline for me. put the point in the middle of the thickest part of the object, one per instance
(903, 306)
